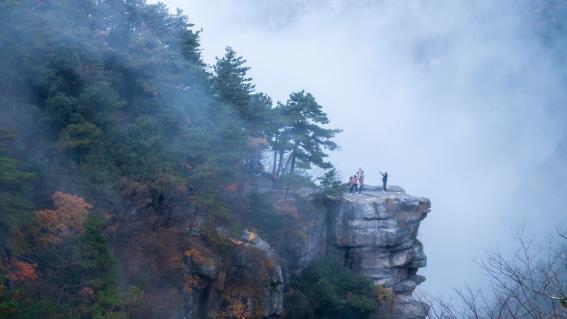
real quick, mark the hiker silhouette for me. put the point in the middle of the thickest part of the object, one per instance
(384, 181)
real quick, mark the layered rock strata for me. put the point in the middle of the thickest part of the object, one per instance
(376, 233)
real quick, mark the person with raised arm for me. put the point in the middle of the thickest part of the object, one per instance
(360, 175)
(384, 181)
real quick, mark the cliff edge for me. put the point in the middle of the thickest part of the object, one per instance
(376, 233)
(373, 233)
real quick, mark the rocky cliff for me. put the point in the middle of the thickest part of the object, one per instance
(373, 233)
(376, 232)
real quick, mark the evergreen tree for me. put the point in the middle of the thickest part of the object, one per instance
(110, 99)
(232, 84)
(96, 269)
(260, 115)
(326, 289)
(304, 133)
(15, 184)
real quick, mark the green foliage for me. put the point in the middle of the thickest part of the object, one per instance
(231, 82)
(207, 195)
(297, 180)
(59, 109)
(111, 100)
(95, 261)
(261, 215)
(261, 114)
(330, 181)
(328, 290)
(98, 99)
(10, 174)
(301, 133)
(14, 185)
(44, 308)
(8, 305)
(81, 137)
(298, 305)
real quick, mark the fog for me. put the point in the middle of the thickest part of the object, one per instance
(458, 100)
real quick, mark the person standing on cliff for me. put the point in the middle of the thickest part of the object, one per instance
(350, 184)
(360, 174)
(354, 184)
(384, 181)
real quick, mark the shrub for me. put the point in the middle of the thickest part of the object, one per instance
(328, 290)
(330, 181)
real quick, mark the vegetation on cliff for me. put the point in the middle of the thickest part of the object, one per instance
(129, 168)
(326, 289)
(115, 135)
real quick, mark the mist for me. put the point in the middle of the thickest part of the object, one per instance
(459, 101)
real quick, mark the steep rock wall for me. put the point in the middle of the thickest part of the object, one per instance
(376, 233)
(249, 283)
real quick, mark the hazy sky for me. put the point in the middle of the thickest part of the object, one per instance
(447, 96)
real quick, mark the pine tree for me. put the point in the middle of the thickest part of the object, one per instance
(304, 133)
(232, 84)
(97, 272)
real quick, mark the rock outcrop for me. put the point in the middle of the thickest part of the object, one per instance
(248, 284)
(222, 276)
(376, 232)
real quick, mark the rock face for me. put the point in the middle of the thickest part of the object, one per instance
(375, 232)
(248, 284)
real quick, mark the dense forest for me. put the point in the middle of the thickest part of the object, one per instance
(115, 137)
(114, 129)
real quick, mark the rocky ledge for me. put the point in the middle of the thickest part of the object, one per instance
(376, 233)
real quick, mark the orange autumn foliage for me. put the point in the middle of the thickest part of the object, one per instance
(22, 271)
(161, 249)
(65, 220)
(231, 188)
(87, 292)
(190, 282)
(257, 142)
(235, 310)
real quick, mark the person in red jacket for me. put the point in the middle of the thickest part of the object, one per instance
(353, 182)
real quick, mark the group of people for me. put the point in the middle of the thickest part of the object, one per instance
(356, 182)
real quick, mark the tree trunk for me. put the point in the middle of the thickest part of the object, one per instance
(291, 159)
(279, 171)
(292, 170)
(275, 162)
(292, 155)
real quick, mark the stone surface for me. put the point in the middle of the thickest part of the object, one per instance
(376, 233)
(373, 232)
(313, 242)
(247, 278)
(273, 287)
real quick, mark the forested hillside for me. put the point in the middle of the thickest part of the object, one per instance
(136, 181)
(115, 136)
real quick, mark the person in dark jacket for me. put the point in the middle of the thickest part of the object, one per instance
(384, 181)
